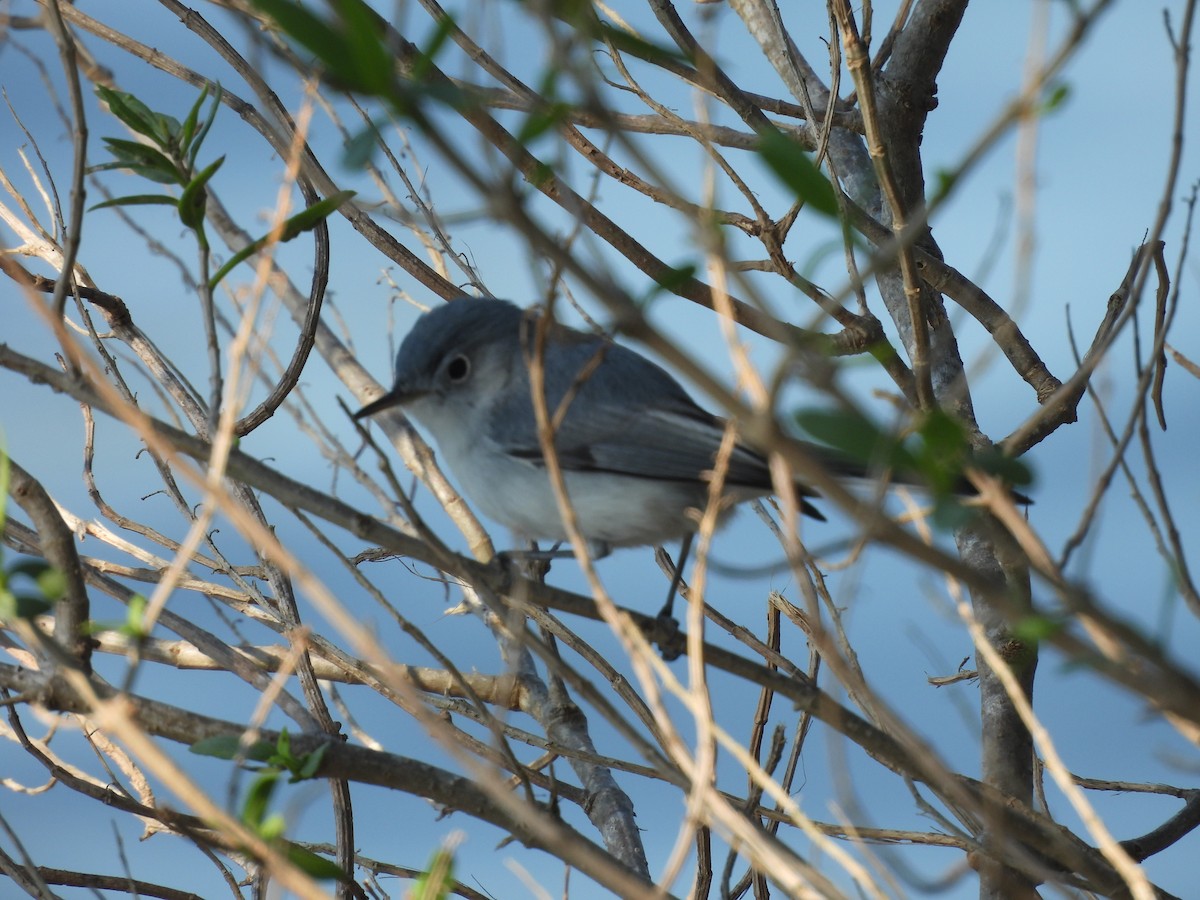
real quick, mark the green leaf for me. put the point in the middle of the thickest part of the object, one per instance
(1009, 470)
(193, 149)
(254, 810)
(272, 827)
(50, 581)
(351, 49)
(796, 170)
(423, 64)
(542, 120)
(302, 26)
(310, 764)
(944, 435)
(541, 174)
(243, 254)
(309, 218)
(300, 767)
(152, 174)
(1036, 628)
(191, 120)
(671, 279)
(136, 152)
(137, 200)
(194, 199)
(166, 130)
(643, 49)
(371, 64)
(943, 452)
(21, 606)
(360, 149)
(4, 474)
(223, 746)
(144, 159)
(437, 881)
(446, 93)
(944, 181)
(30, 568)
(282, 757)
(949, 513)
(132, 111)
(133, 626)
(303, 221)
(135, 617)
(853, 434)
(1058, 95)
(229, 746)
(312, 864)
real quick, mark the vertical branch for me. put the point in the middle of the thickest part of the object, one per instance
(1007, 754)
(73, 229)
(858, 61)
(58, 548)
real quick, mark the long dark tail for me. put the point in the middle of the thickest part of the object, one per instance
(844, 466)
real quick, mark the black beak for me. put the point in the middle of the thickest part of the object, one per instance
(392, 398)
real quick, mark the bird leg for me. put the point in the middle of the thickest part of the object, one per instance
(667, 632)
(685, 548)
(596, 549)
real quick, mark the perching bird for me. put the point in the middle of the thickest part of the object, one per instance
(635, 450)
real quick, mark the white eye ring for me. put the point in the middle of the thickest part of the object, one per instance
(458, 369)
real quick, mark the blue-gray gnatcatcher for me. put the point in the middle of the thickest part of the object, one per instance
(633, 446)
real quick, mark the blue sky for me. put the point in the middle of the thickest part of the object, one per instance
(1101, 158)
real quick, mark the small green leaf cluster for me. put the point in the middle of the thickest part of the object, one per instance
(437, 881)
(351, 48)
(47, 582)
(937, 454)
(134, 626)
(792, 166)
(353, 52)
(168, 156)
(305, 220)
(17, 603)
(668, 281)
(276, 759)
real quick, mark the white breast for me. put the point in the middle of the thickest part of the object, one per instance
(618, 510)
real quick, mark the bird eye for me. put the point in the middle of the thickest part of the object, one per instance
(458, 369)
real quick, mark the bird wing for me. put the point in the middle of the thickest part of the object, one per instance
(624, 415)
(666, 444)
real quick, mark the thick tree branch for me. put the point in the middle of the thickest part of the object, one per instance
(345, 761)
(58, 547)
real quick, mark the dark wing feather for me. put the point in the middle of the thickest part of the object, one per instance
(627, 416)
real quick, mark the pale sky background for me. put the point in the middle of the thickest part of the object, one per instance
(1100, 174)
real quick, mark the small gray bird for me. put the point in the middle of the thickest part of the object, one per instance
(634, 448)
